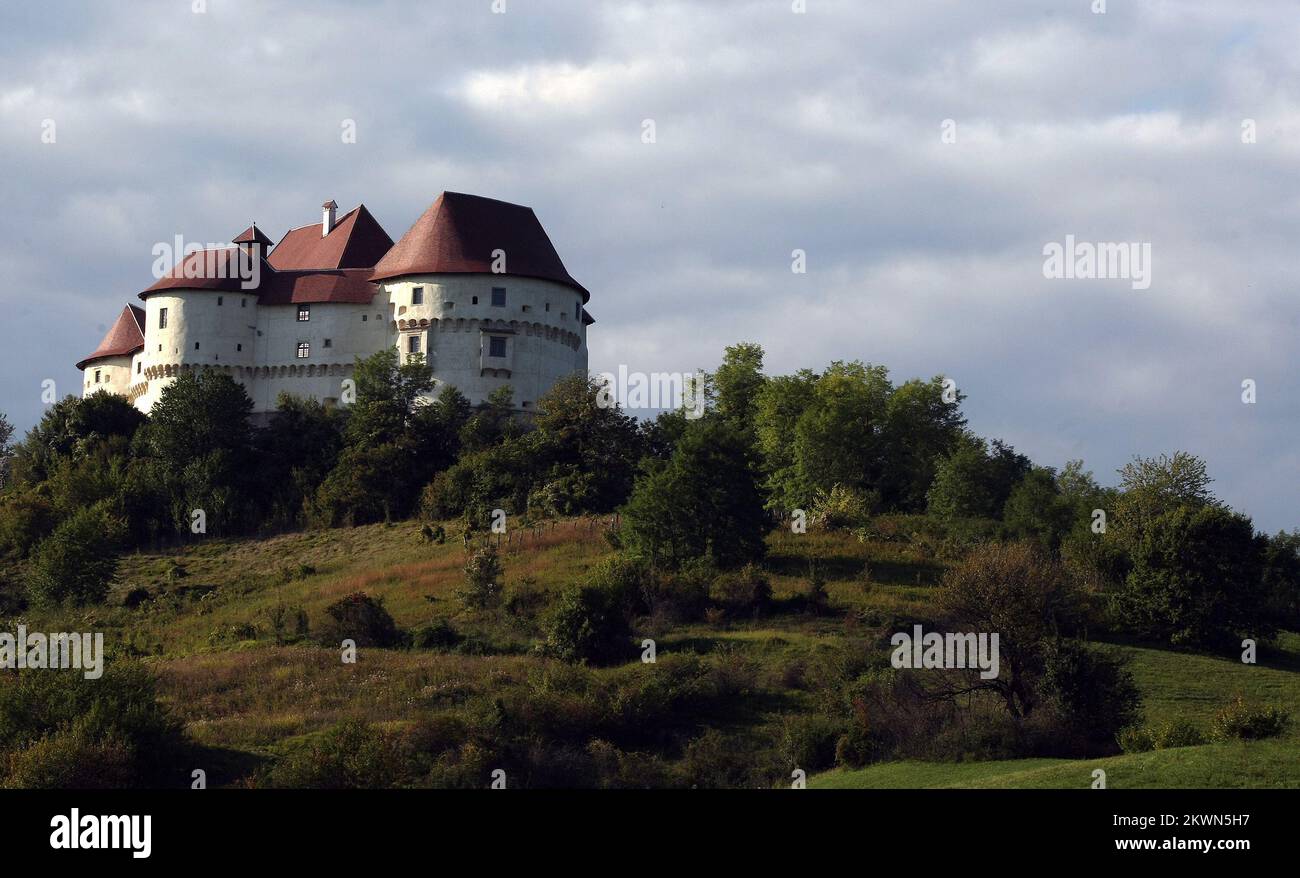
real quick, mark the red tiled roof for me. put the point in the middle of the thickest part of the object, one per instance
(208, 270)
(124, 338)
(252, 235)
(350, 285)
(458, 234)
(356, 241)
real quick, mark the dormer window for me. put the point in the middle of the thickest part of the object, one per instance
(304, 313)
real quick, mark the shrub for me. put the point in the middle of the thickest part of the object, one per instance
(1136, 739)
(587, 625)
(76, 563)
(809, 741)
(439, 635)
(70, 760)
(117, 718)
(1197, 579)
(745, 592)
(482, 588)
(842, 507)
(1093, 691)
(351, 755)
(1176, 733)
(523, 599)
(360, 618)
(1241, 721)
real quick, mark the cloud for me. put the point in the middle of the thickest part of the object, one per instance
(775, 131)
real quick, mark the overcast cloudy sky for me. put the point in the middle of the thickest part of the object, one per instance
(775, 131)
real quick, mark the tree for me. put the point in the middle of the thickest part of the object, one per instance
(75, 564)
(975, 481)
(575, 438)
(369, 484)
(1152, 486)
(781, 402)
(1197, 579)
(920, 429)
(1023, 595)
(704, 502)
(839, 438)
(70, 429)
(482, 588)
(388, 392)
(738, 383)
(1036, 510)
(492, 422)
(201, 446)
(587, 624)
(6, 433)
(296, 451)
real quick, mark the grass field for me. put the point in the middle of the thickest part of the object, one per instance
(206, 629)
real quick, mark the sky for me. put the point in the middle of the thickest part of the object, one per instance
(921, 154)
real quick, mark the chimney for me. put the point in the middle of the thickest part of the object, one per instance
(327, 221)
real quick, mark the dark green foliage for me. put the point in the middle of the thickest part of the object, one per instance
(1093, 692)
(58, 728)
(1282, 579)
(975, 480)
(296, 451)
(75, 564)
(68, 429)
(387, 395)
(360, 618)
(1036, 510)
(482, 588)
(743, 593)
(1197, 579)
(351, 755)
(440, 634)
(369, 484)
(704, 502)
(587, 625)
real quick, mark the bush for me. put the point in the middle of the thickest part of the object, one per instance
(72, 722)
(439, 635)
(482, 588)
(1197, 579)
(360, 618)
(1094, 693)
(1241, 721)
(351, 755)
(1176, 733)
(76, 563)
(70, 760)
(810, 741)
(587, 625)
(743, 593)
(842, 507)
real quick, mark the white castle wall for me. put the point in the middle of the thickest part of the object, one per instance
(258, 344)
(541, 322)
(109, 373)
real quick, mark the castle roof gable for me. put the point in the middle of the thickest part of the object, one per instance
(124, 337)
(356, 241)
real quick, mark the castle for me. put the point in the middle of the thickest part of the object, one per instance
(474, 286)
